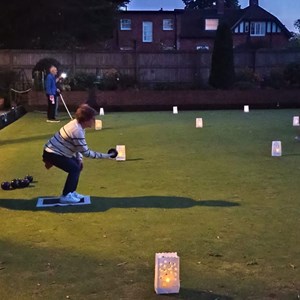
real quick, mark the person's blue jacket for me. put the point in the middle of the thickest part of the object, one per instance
(51, 88)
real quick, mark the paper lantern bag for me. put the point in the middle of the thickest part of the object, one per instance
(166, 279)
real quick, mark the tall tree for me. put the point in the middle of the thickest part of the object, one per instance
(222, 65)
(56, 23)
(200, 4)
(297, 25)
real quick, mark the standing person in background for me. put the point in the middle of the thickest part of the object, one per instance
(51, 92)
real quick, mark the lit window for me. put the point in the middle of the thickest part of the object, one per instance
(278, 29)
(258, 29)
(168, 24)
(211, 24)
(236, 29)
(274, 27)
(147, 32)
(125, 24)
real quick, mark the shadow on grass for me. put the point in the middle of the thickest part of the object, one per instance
(53, 273)
(291, 154)
(101, 204)
(190, 294)
(27, 139)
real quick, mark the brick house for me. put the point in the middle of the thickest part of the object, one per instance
(147, 30)
(252, 27)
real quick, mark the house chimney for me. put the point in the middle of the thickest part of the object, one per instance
(253, 2)
(220, 7)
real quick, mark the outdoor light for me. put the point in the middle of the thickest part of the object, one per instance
(98, 124)
(166, 280)
(63, 75)
(101, 112)
(276, 148)
(246, 108)
(121, 152)
(175, 110)
(199, 123)
(296, 121)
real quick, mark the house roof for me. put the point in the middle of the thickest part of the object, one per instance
(150, 12)
(193, 21)
(257, 13)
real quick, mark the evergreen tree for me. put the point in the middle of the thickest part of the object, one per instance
(222, 65)
(56, 23)
(297, 25)
(201, 4)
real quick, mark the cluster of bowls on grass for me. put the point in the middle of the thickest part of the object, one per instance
(17, 183)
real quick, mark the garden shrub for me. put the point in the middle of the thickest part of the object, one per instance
(82, 81)
(127, 81)
(292, 74)
(7, 80)
(247, 75)
(274, 80)
(245, 85)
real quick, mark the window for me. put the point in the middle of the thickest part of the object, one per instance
(168, 24)
(258, 29)
(202, 47)
(147, 32)
(269, 27)
(211, 24)
(242, 27)
(125, 24)
(273, 27)
(246, 26)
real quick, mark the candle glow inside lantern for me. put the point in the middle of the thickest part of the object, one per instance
(121, 152)
(246, 108)
(296, 121)
(199, 123)
(101, 113)
(175, 110)
(276, 148)
(166, 279)
(98, 124)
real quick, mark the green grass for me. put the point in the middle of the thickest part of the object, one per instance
(215, 195)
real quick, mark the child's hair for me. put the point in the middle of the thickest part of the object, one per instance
(85, 113)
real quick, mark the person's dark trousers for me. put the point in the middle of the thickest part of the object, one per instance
(69, 165)
(51, 108)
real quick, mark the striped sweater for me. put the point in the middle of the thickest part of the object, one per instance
(70, 141)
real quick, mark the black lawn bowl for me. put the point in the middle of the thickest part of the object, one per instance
(114, 152)
(15, 183)
(5, 185)
(29, 177)
(24, 183)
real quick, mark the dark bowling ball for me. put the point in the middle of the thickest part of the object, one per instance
(15, 183)
(24, 183)
(29, 177)
(5, 185)
(114, 152)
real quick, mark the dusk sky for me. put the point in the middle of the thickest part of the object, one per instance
(287, 11)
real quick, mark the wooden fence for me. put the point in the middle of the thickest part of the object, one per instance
(159, 67)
